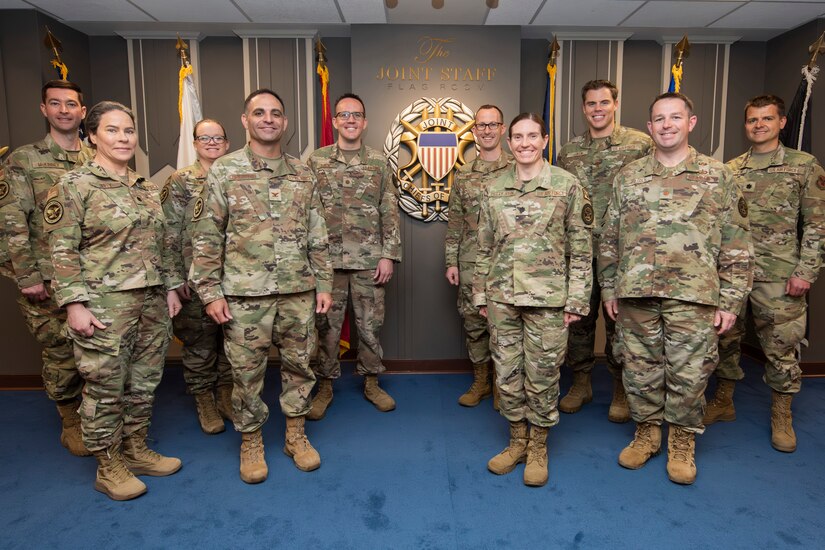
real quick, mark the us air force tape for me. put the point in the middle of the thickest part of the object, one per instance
(587, 213)
(743, 207)
(53, 212)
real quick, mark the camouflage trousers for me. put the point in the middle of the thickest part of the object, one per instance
(204, 362)
(581, 355)
(123, 364)
(45, 321)
(477, 335)
(368, 309)
(779, 321)
(288, 322)
(668, 349)
(528, 346)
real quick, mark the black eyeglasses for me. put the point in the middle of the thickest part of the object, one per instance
(207, 139)
(344, 115)
(491, 125)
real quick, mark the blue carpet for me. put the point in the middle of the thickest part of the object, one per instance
(417, 478)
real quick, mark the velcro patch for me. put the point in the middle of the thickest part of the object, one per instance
(164, 194)
(241, 177)
(743, 207)
(53, 212)
(4, 190)
(198, 209)
(785, 170)
(821, 182)
(587, 213)
(47, 165)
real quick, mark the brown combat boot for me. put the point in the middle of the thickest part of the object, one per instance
(322, 400)
(681, 447)
(480, 388)
(253, 462)
(619, 410)
(720, 408)
(783, 438)
(71, 437)
(297, 446)
(208, 415)
(375, 395)
(535, 473)
(223, 400)
(515, 453)
(113, 479)
(580, 393)
(646, 443)
(143, 461)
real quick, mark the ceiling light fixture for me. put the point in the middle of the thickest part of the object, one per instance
(438, 4)
(391, 3)
(492, 4)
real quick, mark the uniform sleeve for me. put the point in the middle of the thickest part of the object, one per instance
(578, 231)
(812, 244)
(486, 236)
(63, 214)
(318, 243)
(16, 217)
(452, 240)
(174, 199)
(608, 254)
(735, 263)
(209, 220)
(390, 218)
(561, 159)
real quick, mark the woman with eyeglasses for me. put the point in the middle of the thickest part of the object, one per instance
(106, 237)
(206, 370)
(529, 291)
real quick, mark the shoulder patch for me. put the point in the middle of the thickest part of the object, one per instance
(4, 190)
(164, 194)
(587, 213)
(743, 207)
(821, 182)
(197, 211)
(53, 211)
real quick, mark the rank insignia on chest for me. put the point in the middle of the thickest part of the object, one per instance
(53, 212)
(743, 207)
(587, 213)
(749, 186)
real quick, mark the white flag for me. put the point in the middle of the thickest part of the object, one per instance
(190, 114)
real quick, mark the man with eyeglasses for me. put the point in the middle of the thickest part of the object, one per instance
(596, 157)
(205, 368)
(31, 171)
(361, 210)
(261, 265)
(461, 243)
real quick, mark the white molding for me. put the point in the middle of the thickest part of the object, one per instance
(275, 33)
(719, 154)
(619, 75)
(709, 39)
(310, 94)
(606, 36)
(247, 75)
(667, 53)
(160, 35)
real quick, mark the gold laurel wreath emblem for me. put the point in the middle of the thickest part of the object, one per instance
(164, 194)
(4, 190)
(420, 197)
(198, 210)
(53, 212)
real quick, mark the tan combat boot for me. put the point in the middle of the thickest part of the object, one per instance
(580, 393)
(113, 479)
(143, 461)
(253, 462)
(681, 447)
(224, 401)
(208, 415)
(619, 411)
(297, 446)
(515, 453)
(375, 395)
(535, 473)
(322, 400)
(646, 443)
(720, 408)
(783, 438)
(480, 388)
(71, 437)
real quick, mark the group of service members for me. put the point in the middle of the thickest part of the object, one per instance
(247, 249)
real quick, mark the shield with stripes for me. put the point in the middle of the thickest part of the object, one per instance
(437, 153)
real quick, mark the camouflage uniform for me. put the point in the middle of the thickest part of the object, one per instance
(782, 189)
(204, 362)
(361, 210)
(32, 170)
(526, 283)
(596, 162)
(674, 248)
(260, 241)
(106, 237)
(461, 244)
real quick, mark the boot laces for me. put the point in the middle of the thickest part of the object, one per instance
(210, 413)
(252, 449)
(644, 436)
(681, 446)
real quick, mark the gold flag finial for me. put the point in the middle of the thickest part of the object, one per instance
(3, 150)
(682, 51)
(181, 46)
(554, 52)
(53, 44)
(815, 49)
(320, 56)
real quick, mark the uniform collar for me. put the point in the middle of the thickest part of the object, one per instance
(502, 161)
(132, 177)
(197, 170)
(776, 159)
(542, 180)
(338, 154)
(615, 138)
(690, 164)
(259, 164)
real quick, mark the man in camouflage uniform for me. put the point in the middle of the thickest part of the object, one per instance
(674, 265)
(596, 157)
(205, 367)
(31, 171)
(361, 210)
(261, 265)
(529, 291)
(461, 242)
(785, 190)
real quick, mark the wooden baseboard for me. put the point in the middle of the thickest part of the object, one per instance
(21, 382)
